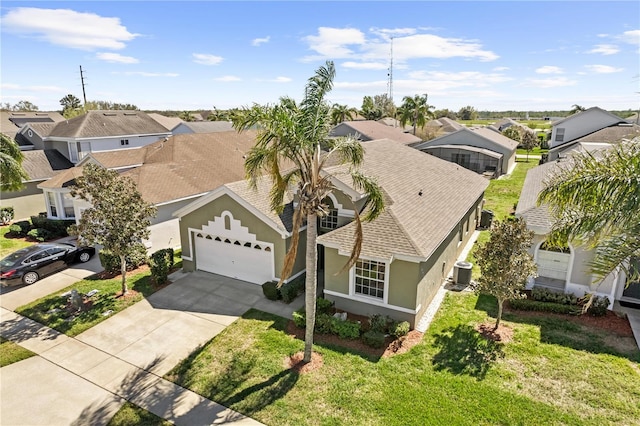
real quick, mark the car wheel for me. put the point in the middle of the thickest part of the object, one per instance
(30, 278)
(84, 257)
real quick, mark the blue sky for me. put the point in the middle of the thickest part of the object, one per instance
(184, 55)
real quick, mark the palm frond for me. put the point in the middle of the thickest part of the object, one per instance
(375, 203)
(292, 253)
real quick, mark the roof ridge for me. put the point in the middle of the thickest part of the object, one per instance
(404, 231)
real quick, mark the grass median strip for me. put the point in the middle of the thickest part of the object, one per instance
(11, 352)
(551, 373)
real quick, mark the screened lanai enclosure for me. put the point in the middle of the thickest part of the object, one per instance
(479, 160)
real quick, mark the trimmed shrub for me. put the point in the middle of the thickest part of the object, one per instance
(399, 329)
(544, 295)
(324, 324)
(56, 227)
(324, 306)
(599, 306)
(292, 289)
(380, 323)
(111, 262)
(299, 318)
(535, 305)
(20, 228)
(271, 291)
(345, 329)
(6, 215)
(373, 338)
(160, 264)
(39, 234)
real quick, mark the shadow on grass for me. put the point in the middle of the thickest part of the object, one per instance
(464, 351)
(562, 330)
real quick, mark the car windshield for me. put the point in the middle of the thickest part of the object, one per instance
(13, 258)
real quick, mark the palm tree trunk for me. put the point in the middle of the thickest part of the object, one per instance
(311, 285)
(123, 272)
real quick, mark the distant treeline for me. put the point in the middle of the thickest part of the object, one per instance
(535, 115)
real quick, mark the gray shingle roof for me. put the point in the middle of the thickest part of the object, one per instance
(95, 124)
(412, 224)
(372, 130)
(168, 122)
(12, 121)
(44, 164)
(534, 215)
(209, 126)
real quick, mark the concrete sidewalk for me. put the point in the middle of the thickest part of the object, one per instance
(71, 382)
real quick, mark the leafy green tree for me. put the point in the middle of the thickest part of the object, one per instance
(70, 104)
(340, 113)
(385, 105)
(186, 116)
(512, 133)
(11, 172)
(440, 113)
(370, 110)
(528, 140)
(118, 218)
(505, 263)
(467, 113)
(295, 134)
(595, 199)
(25, 106)
(109, 106)
(415, 110)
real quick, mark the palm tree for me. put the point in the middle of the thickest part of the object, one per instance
(370, 110)
(186, 116)
(340, 113)
(575, 108)
(415, 110)
(296, 134)
(11, 172)
(596, 200)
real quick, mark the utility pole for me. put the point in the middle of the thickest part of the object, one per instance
(390, 74)
(84, 95)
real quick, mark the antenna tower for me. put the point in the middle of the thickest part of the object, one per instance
(390, 74)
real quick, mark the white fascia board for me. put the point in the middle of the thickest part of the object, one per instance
(371, 301)
(164, 203)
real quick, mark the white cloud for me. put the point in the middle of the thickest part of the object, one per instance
(447, 80)
(116, 57)
(631, 37)
(605, 49)
(547, 83)
(259, 41)
(149, 74)
(10, 86)
(65, 27)
(365, 65)
(549, 69)
(603, 69)
(206, 59)
(498, 69)
(280, 80)
(228, 78)
(333, 42)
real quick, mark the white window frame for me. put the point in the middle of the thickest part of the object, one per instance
(65, 206)
(385, 292)
(330, 221)
(559, 135)
(73, 152)
(52, 203)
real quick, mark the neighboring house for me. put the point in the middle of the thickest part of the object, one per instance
(432, 209)
(633, 119)
(167, 122)
(169, 174)
(502, 125)
(597, 140)
(32, 135)
(39, 165)
(202, 127)
(394, 122)
(98, 131)
(442, 126)
(480, 149)
(581, 124)
(12, 121)
(567, 269)
(369, 130)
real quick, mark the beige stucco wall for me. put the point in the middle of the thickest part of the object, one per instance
(26, 203)
(263, 232)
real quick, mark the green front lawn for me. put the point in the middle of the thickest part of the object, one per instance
(132, 415)
(553, 372)
(11, 352)
(535, 151)
(51, 310)
(9, 245)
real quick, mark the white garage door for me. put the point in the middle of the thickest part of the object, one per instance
(226, 248)
(553, 264)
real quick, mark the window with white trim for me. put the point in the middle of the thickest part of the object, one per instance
(369, 278)
(124, 142)
(330, 221)
(51, 200)
(560, 134)
(67, 204)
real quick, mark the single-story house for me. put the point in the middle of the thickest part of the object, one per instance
(169, 174)
(166, 122)
(432, 209)
(479, 149)
(40, 165)
(443, 125)
(394, 122)
(369, 130)
(202, 127)
(567, 269)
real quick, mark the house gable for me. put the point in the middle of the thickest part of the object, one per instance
(581, 124)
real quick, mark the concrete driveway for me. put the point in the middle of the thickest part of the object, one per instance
(16, 296)
(124, 357)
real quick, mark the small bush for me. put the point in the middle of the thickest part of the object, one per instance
(20, 228)
(373, 338)
(544, 295)
(324, 306)
(292, 289)
(324, 324)
(56, 227)
(599, 306)
(111, 263)
(299, 318)
(39, 234)
(271, 291)
(160, 264)
(535, 305)
(400, 329)
(380, 323)
(6, 215)
(345, 329)
(15, 229)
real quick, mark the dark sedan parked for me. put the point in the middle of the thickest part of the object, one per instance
(31, 263)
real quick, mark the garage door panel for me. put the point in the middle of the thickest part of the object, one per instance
(242, 260)
(553, 264)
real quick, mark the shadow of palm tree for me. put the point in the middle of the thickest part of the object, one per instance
(465, 351)
(21, 329)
